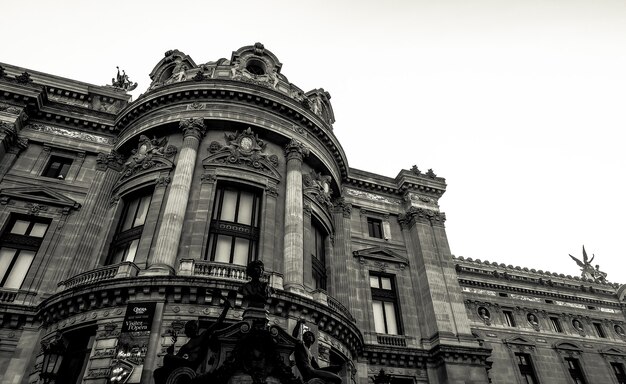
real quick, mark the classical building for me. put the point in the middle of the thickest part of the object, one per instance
(121, 221)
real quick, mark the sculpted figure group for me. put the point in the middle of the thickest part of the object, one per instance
(255, 294)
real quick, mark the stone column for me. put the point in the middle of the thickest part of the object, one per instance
(293, 250)
(164, 258)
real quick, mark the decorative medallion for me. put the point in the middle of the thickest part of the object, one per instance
(149, 154)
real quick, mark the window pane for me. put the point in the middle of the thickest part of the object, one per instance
(374, 282)
(379, 317)
(222, 249)
(38, 230)
(240, 255)
(18, 272)
(6, 255)
(385, 283)
(245, 208)
(229, 204)
(130, 215)
(118, 256)
(144, 204)
(20, 227)
(390, 314)
(132, 250)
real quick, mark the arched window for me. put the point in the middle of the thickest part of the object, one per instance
(234, 230)
(128, 234)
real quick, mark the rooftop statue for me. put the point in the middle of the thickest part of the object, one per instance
(588, 271)
(122, 81)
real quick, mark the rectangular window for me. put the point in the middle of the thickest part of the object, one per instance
(509, 319)
(575, 371)
(556, 324)
(126, 240)
(599, 330)
(375, 227)
(57, 167)
(620, 374)
(318, 254)
(384, 304)
(526, 368)
(234, 230)
(18, 245)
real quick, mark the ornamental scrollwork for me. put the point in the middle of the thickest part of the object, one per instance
(149, 154)
(111, 160)
(243, 149)
(317, 186)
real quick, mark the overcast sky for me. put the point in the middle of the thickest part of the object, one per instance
(520, 105)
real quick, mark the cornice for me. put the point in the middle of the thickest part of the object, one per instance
(236, 92)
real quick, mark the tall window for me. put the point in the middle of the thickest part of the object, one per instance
(384, 304)
(620, 374)
(19, 243)
(526, 368)
(77, 353)
(57, 167)
(556, 324)
(509, 319)
(318, 258)
(375, 228)
(126, 239)
(234, 232)
(575, 371)
(599, 330)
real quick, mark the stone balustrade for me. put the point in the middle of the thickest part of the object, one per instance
(115, 271)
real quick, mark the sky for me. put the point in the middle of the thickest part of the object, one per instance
(520, 105)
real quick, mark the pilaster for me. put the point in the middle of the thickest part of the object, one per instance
(342, 254)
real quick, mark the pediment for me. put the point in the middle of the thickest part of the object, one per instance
(383, 254)
(569, 346)
(39, 195)
(519, 341)
(612, 351)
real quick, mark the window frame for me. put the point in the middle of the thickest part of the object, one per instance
(599, 330)
(556, 324)
(509, 318)
(20, 243)
(123, 239)
(234, 229)
(383, 296)
(619, 371)
(65, 164)
(318, 264)
(526, 369)
(575, 372)
(375, 225)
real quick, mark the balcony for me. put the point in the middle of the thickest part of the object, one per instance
(115, 271)
(15, 296)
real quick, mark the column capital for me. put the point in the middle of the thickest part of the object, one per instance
(414, 215)
(111, 160)
(193, 127)
(296, 150)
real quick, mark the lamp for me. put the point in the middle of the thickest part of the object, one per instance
(382, 378)
(53, 350)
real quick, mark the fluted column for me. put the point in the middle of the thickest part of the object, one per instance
(294, 227)
(342, 255)
(164, 258)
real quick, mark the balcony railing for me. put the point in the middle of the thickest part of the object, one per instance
(396, 341)
(16, 296)
(115, 271)
(335, 305)
(7, 296)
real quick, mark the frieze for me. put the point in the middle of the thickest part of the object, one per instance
(421, 201)
(196, 106)
(72, 134)
(68, 100)
(372, 196)
(479, 291)
(10, 109)
(525, 298)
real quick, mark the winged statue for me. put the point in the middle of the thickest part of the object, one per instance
(588, 271)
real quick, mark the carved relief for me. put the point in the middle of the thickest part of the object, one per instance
(372, 196)
(317, 187)
(149, 154)
(243, 149)
(10, 109)
(111, 160)
(72, 134)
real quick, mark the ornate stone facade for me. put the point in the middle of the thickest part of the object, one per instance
(122, 221)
